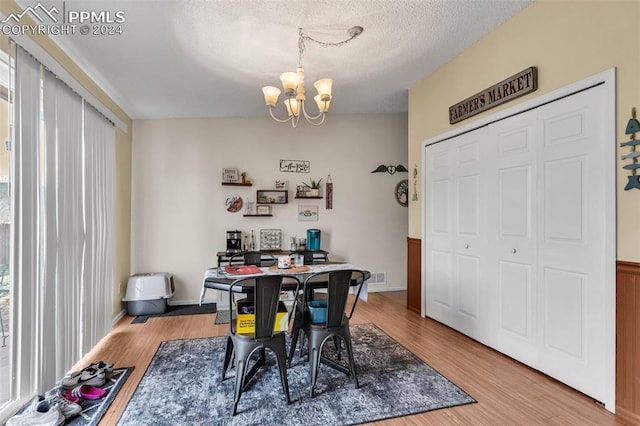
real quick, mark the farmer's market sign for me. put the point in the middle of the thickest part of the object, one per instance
(511, 88)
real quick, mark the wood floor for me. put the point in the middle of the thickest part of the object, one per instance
(508, 393)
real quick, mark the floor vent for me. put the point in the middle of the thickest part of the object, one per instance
(378, 278)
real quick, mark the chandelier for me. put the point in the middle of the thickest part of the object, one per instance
(293, 86)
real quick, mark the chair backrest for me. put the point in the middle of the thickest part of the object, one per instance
(338, 284)
(264, 299)
(311, 257)
(253, 258)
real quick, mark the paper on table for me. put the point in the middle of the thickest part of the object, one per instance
(242, 270)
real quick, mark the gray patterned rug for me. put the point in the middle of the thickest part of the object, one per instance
(182, 386)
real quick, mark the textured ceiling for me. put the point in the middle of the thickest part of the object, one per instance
(187, 58)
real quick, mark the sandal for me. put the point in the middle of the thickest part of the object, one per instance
(86, 392)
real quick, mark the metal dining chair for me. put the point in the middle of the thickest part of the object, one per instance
(333, 323)
(255, 258)
(310, 258)
(241, 345)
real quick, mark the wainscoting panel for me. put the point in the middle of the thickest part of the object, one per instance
(628, 341)
(414, 274)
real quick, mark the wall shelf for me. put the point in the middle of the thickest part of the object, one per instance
(272, 196)
(257, 215)
(308, 198)
(237, 183)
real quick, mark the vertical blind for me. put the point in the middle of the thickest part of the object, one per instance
(65, 250)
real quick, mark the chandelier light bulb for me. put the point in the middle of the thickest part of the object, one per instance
(271, 95)
(289, 82)
(323, 86)
(292, 107)
(323, 106)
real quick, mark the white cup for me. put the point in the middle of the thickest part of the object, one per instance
(299, 260)
(284, 262)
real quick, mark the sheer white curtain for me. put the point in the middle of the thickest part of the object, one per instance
(63, 228)
(63, 242)
(99, 177)
(25, 232)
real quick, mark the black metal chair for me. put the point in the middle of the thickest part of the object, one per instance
(265, 300)
(335, 324)
(255, 258)
(310, 258)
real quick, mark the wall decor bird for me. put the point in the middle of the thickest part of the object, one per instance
(390, 169)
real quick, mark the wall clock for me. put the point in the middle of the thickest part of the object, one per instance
(402, 192)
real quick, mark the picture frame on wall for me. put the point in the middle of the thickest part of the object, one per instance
(262, 209)
(230, 175)
(307, 213)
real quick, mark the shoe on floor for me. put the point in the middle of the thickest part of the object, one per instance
(88, 376)
(43, 414)
(85, 392)
(69, 409)
(106, 367)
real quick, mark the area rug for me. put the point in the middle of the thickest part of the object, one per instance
(182, 386)
(173, 310)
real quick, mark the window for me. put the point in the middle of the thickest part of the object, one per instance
(60, 252)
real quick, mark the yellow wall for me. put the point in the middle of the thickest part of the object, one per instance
(568, 41)
(122, 158)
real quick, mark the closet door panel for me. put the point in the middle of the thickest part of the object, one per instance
(470, 242)
(439, 238)
(572, 250)
(516, 300)
(441, 278)
(514, 292)
(468, 273)
(454, 244)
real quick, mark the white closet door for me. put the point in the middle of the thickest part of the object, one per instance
(513, 232)
(457, 241)
(572, 254)
(519, 247)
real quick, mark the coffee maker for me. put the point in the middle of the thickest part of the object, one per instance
(234, 242)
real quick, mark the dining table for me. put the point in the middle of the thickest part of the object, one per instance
(219, 279)
(222, 278)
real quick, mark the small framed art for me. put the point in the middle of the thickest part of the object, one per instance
(262, 209)
(230, 175)
(307, 213)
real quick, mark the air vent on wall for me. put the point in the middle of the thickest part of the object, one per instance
(378, 278)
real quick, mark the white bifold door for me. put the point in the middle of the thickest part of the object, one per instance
(516, 254)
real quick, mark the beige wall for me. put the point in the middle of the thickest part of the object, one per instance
(568, 41)
(179, 220)
(123, 156)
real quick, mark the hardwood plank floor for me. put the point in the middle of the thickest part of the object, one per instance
(507, 391)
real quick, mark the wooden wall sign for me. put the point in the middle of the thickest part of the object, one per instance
(511, 88)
